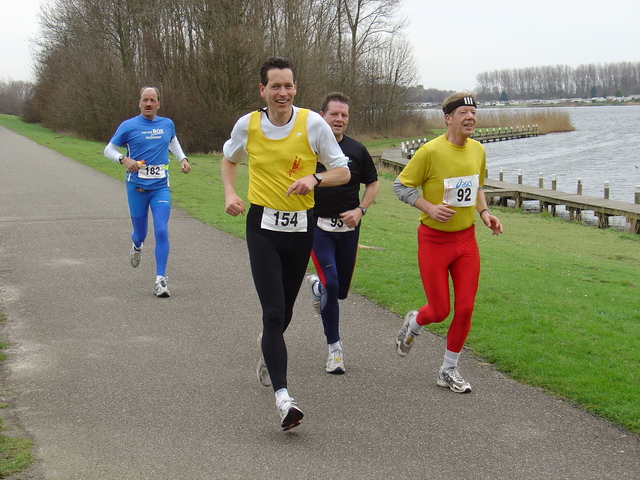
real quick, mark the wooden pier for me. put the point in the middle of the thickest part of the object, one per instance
(482, 135)
(575, 204)
(500, 192)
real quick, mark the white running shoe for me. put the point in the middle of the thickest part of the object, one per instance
(289, 413)
(261, 369)
(451, 378)
(135, 254)
(406, 336)
(312, 280)
(335, 362)
(160, 288)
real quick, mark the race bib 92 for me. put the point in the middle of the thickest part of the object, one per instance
(461, 191)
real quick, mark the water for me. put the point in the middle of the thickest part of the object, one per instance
(604, 147)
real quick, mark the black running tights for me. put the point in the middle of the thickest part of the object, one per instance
(279, 262)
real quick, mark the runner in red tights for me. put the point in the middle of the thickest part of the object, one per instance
(450, 172)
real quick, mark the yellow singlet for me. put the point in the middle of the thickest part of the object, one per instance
(275, 164)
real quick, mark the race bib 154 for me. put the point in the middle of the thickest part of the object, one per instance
(282, 221)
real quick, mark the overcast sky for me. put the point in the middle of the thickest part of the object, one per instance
(452, 41)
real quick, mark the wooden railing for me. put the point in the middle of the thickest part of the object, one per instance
(482, 135)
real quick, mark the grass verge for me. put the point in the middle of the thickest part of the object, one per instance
(15, 452)
(558, 302)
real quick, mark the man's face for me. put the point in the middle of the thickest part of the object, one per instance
(462, 120)
(279, 91)
(337, 116)
(149, 103)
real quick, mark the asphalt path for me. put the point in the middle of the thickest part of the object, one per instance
(112, 383)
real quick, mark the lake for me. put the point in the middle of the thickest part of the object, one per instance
(605, 147)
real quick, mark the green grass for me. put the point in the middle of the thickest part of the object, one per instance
(558, 302)
(15, 452)
(379, 145)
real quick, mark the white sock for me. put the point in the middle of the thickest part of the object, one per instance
(282, 394)
(450, 359)
(335, 346)
(158, 278)
(415, 328)
(317, 288)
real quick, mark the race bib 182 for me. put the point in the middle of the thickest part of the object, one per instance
(153, 172)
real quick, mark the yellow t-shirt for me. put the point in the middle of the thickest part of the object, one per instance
(275, 164)
(439, 161)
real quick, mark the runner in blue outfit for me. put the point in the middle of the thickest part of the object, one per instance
(338, 212)
(148, 138)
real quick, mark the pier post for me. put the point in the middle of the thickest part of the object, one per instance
(543, 205)
(606, 190)
(502, 176)
(519, 177)
(575, 213)
(637, 194)
(553, 187)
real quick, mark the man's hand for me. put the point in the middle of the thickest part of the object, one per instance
(441, 213)
(351, 218)
(131, 164)
(302, 186)
(234, 205)
(492, 222)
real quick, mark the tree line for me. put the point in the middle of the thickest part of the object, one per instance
(13, 96)
(204, 56)
(561, 81)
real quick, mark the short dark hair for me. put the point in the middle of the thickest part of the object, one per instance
(334, 97)
(275, 62)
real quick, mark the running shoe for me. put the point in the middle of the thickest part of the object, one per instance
(135, 255)
(261, 370)
(452, 379)
(160, 288)
(406, 336)
(290, 414)
(314, 283)
(335, 362)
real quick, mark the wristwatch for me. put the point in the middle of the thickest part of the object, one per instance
(364, 210)
(120, 158)
(318, 178)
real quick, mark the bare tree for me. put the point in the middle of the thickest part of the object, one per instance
(13, 96)
(204, 55)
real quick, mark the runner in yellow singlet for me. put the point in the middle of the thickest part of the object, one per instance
(282, 143)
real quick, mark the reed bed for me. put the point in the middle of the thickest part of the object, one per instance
(548, 119)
